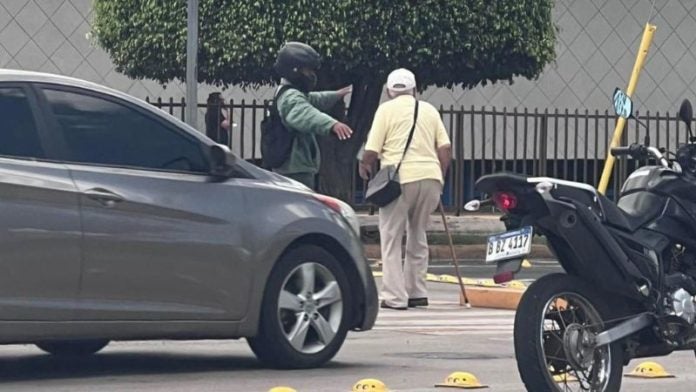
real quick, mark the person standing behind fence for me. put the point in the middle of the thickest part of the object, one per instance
(217, 126)
(421, 176)
(302, 111)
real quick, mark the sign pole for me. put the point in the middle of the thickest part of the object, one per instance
(192, 64)
(621, 122)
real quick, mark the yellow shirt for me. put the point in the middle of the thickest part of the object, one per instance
(389, 134)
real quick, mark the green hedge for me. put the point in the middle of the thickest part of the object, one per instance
(445, 42)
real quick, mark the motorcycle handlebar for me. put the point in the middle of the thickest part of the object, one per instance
(638, 151)
(620, 151)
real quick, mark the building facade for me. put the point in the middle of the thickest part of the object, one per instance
(597, 42)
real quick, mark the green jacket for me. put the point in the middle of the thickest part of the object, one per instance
(303, 114)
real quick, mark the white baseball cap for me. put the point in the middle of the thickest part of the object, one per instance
(401, 80)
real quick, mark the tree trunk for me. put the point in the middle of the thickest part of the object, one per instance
(339, 163)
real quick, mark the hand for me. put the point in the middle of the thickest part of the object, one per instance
(365, 171)
(342, 131)
(344, 91)
(226, 124)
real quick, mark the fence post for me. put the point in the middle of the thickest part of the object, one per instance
(543, 142)
(515, 158)
(526, 140)
(494, 125)
(459, 163)
(253, 130)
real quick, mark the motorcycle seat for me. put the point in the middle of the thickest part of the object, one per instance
(629, 214)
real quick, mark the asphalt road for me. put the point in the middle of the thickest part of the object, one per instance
(409, 351)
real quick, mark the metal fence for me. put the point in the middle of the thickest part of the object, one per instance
(566, 144)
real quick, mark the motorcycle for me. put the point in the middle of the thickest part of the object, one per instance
(630, 267)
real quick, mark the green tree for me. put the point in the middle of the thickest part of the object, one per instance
(444, 42)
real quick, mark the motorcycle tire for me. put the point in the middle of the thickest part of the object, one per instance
(532, 341)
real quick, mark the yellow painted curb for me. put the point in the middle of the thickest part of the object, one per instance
(482, 293)
(467, 281)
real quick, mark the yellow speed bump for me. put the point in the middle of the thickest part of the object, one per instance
(461, 380)
(649, 370)
(370, 385)
(281, 389)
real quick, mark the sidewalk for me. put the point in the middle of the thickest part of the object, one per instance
(470, 224)
(469, 234)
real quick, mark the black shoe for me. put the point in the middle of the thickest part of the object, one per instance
(413, 302)
(384, 305)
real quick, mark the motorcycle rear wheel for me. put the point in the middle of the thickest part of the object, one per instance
(555, 315)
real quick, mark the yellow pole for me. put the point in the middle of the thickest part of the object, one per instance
(621, 122)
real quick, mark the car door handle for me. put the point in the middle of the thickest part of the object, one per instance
(103, 196)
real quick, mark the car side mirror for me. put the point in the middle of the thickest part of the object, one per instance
(221, 160)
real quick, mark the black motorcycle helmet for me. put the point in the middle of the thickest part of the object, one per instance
(294, 56)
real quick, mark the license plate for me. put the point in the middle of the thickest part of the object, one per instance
(510, 245)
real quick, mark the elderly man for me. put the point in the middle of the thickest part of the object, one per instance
(421, 176)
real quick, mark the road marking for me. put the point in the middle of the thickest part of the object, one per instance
(447, 320)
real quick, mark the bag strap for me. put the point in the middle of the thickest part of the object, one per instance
(283, 88)
(410, 137)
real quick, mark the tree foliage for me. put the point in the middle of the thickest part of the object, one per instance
(444, 42)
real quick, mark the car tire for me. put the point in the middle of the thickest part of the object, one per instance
(296, 330)
(73, 348)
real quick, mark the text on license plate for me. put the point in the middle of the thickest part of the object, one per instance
(509, 245)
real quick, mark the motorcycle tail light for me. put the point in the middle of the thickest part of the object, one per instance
(505, 201)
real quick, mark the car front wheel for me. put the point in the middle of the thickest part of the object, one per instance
(306, 310)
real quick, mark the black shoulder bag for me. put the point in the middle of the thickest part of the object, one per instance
(385, 187)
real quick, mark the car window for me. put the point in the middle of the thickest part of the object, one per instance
(99, 131)
(18, 134)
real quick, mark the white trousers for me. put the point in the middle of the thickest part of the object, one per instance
(404, 279)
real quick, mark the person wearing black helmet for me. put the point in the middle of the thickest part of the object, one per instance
(302, 111)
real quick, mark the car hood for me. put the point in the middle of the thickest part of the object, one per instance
(273, 178)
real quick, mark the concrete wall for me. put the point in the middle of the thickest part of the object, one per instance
(597, 42)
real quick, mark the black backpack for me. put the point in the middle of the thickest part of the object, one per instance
(276, 139)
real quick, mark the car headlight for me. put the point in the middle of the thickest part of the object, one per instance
(342, 208)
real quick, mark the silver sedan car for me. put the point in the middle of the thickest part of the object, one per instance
(119, 222)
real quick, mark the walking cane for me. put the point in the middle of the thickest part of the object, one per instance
(454, 257)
